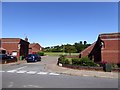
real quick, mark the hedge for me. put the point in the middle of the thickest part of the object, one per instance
(41, 53)
(84, 61)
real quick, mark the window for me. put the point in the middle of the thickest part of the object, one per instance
(103, 44)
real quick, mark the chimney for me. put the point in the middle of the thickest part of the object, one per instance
(26, 39)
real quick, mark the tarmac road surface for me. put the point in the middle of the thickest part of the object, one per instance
(38, 75)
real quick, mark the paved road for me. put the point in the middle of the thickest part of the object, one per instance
(38, 75)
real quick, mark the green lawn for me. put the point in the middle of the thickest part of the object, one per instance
(59, 53)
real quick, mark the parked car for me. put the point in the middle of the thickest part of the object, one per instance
(4, 58)
(33, 58)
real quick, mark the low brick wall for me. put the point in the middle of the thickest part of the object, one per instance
(83, 67)
(72, 56)
(88, 68)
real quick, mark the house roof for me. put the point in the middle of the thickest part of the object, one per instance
(110, 33)
(10, 39)
(17, 40)
(33, 44)
(35, 50)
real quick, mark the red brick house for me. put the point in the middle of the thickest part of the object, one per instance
(106, 49)
(15, 46)
(34, 48)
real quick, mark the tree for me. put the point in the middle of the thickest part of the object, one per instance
(76, 47)
(80, 42)
(85, 42)
(70, 49)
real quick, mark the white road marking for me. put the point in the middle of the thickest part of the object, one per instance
(20, 68)
(12, 71)
(2, 71)
(43, 73)
(33, 86)
(53, 74)
(21, 71)
(11, 84)
(31, 72)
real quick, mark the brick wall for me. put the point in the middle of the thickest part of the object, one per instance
(12, 44)
(34, 47)
(111, 51)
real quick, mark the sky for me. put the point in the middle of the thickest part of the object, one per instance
(50, 23)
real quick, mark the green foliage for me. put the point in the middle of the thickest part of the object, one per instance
(76, 47)
(70, 60)
(41, 53)
(84, 61)
(115, 66)
(66, 61)
(63, 60)
(59, 53)
(85, 42)
(70, 49)
(76, 61)
(80, 47)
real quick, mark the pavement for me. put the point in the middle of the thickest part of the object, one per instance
(51, 65)
(76, 72)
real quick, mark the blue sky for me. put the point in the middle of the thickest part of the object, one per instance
(58, 23)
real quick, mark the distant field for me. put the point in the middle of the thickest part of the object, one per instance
(59, 53)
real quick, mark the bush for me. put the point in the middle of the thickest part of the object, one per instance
(66, 61)
(115, 66)
(63, 60)
(85, 61)
(75, 61)
(41, 53)
(70, 60)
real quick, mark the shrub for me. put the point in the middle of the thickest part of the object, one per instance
(75, 61)
(41, 53)
(66, 61)
(115, 66)
(62, 57)
(70, 60)
(85, 61)
(63, 60)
